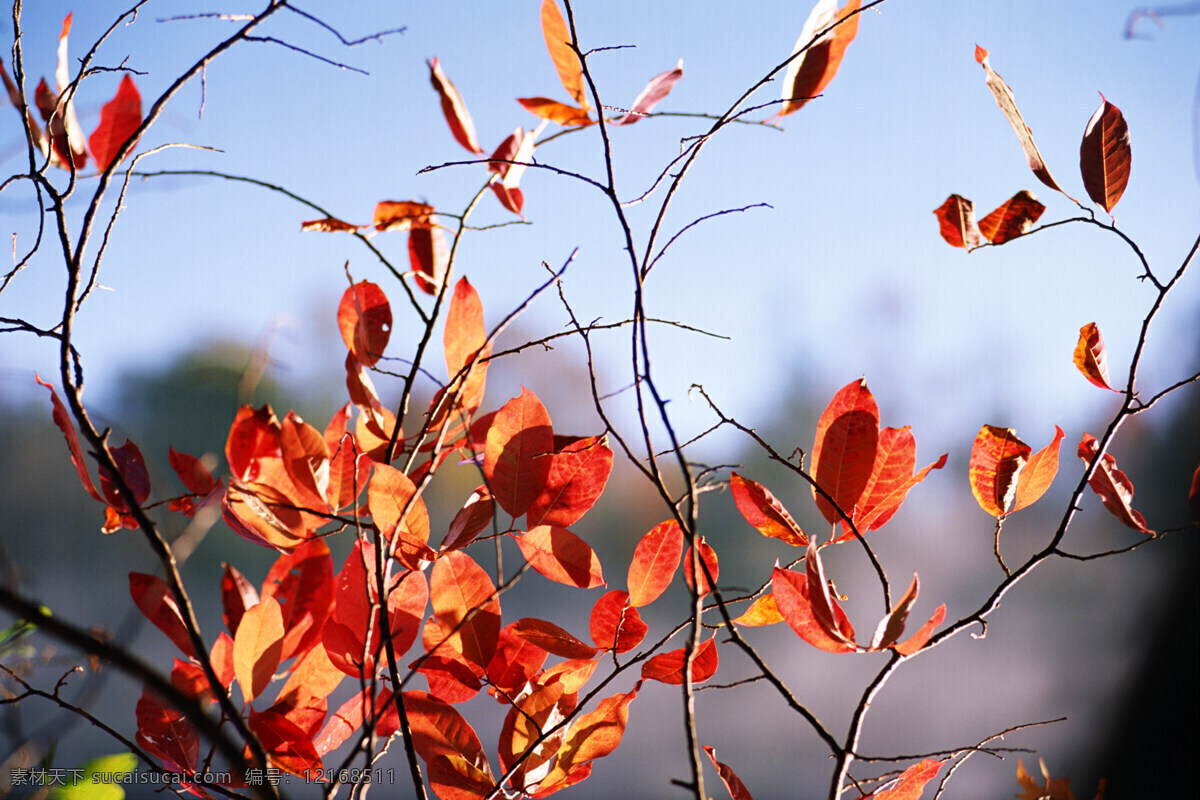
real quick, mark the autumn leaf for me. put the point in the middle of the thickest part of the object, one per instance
(892, 477)
(237, 595)
(763, 511)
(509, 162)
(401, 215)
(62, 419)
(591, 736)
(763, 611)
(517, 661)
(579, 470)
(14, 97)
(843, 456)
(69, 144)
(1008, 105)
(328, 225)
(464, 341)
(792, 591)
(1114, 488)
(471, 520)
(365, 320)
(1038, 473)
(997, 458)
(910, 784)
(921, 638)
(654, 562)
(891, 627)
(439, 730)
(1091, 358)
(552, 638)
(566, 61)
(428, 256)
(709, 558)
(733, 784)
(154, 599)
(561, 556)
(1105, 156)
(516, 461)
(257, 647)
(1012, 218)
(657, 89)
(556, 112)
(956, 220)
(166, 732)
(668, 667)
(454, 109)
(119, 120)
(615, 624)
(302, 581)
(809, 73)
(466, 606)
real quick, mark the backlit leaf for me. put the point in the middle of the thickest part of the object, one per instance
(62, 419)
(132, 469)
(303, 584)
(517, 661)
(401, 215)
(1008, 105)
(193, 474)
(919, 639)
(466, 606)
(1012, 218)
(658, 88)
(566, 62)
(464, 337)
(517, 457)
(844, 453)
(654, 563)
(365, 320)
(911, 783)
(733, 784)
(455, 778)
(791, 592)
(390, 496)
(257, 647)
(1114, 488)
(997, 458)
(615, 624)
(891, 627)
(72, 142)
(1038, 473)
(471, 520)
(437, 729)
(668, 667)
(891, 478)
(579, 470)
(591, 736)
(808, 74)
(956, 220)
(764, 512)
(709, 557)
(1091, 358)
(824, 605)
(429, 256)
(154, 599)
(166, 732)
(1104, 156)
(328, 225)
(454, 109)
(237, 595)
(552, 638)
(119, 120)
(763, 611)
(561, 556)
(556, 112)
(287, 745)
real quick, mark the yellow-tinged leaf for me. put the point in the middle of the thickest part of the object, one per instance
(257, 647)
(566, 61)
(997, 459)
(1091, 358)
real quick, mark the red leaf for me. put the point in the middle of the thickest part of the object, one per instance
(516, 662)
(824, 605)
(119, 120)
(302, 582)
(221, 655)
(591, 736)
(1194, 495)
(63, 420)
(510, 161)
(466, 606)
(791, 590)
(809, 73)
(1091, 358)
(464, 337)
(132, 468)
(561, 556)
(450, 679)
(379, 710)
(302, 698)
(471, 520)
(615, 624)
(919, 639)
(390, 496)
(348, 472)
(1114, 488)
(764, 512)
(328, 225)
(526, 744)
(194, 476)
(658, 88)
(287, 745)
(190, 679)
(844, 454)
(1038, 473)
(654, 563)
(956, 219)
(437, 729)
(668, 667)
(559, 113)
(365, 320)
(558, 43)
(733, 784)
(1015, 216)
(552, 638)
(516, 460)
(257, 647)
(237, 595)
(911, 782)
(455, 778)
(165, 732)
(579, 470)
(891, 478)
(156, 601)
(1008, 105)
(253, 436)
(429, 257)
(710, 560)
(997, 458)
(1104, 156)
(401, 215)
(454, 109)
(891, 627)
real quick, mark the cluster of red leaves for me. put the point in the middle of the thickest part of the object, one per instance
(63, 140)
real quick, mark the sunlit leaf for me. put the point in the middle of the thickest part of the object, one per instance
(1008, 105)
(1091, 358)
(119, 120)
(791, 592)
(669, 667)
(1104, 156)
(552, 638)
(657, 89)
(997, 458)
(365, 320)
(956, 220)
(809, 73)
(516, 461)
(1038, 473)
(825, 608)
(399, 512)
(257, 647)
(891, 627)
(1114, 488)
(328, 225)
(166, 732)
(288, 746)
(401, 215)
(911, 783)
(733, 784)
(237, 595)
(591, 736)
(438, 729)
(844, 453)
(71, 144)
(762, 510)
(455, 778)
(558, 43)
(471, 520)
(132, 469)
(615, 624)
(1012, 218)
(556, 112)
(464, 601)
(454, 109)
(154, 599)
(763, 611)
(62, 419)
(303, 584)
(429, 256)
(654, 562)
(709, 557)
(919, 639)
(561, 556)
(579, 470)
(891, 478)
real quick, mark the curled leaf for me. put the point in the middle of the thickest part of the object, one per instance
(1114, 488)
(562, 53)
(997, 458)
(956, 219)
(1012, 218)
(1091, 357)
(559, 113)
(454, 109)
(762, 510)
(365, 320)
(809, 73)
(1038, 473)
(658, 88)
(1105, 156)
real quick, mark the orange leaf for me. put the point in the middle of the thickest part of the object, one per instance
(462, 340)
(591, 736)
(391, 494)
(1104, 156)
(166, 732)
(919, 639)
(891, 478)
(466, 606)
(843, 457)
(517, 661)
(302, 582)
(1114, 488)
(809, 73)
(891, 627)
(328, 225)
(1038, 473)
(1194, 495)
(237, 595)
(654, 563)
(155, 600)
(1014, 216)
(579, 470)
(658, 88)
(516, 460)
(429, 256)
(556, 112)
(471, 520)
(709, 556)
(997, 458)
(289, 746)
(764, 512)
(615, 624)
(365, 320)
(791, 592)
(453, 108)
(763, 611)
(552, 639)
(911, 782)
(561, 556)
(257, 646)
(956, 219)
(455, 778)
(119, 120)
(668, 667)
(1008, 105)
(566, 61)
(820, 596)
(733, 784)
(1091, 357)
(401, 215)
(437, 730)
